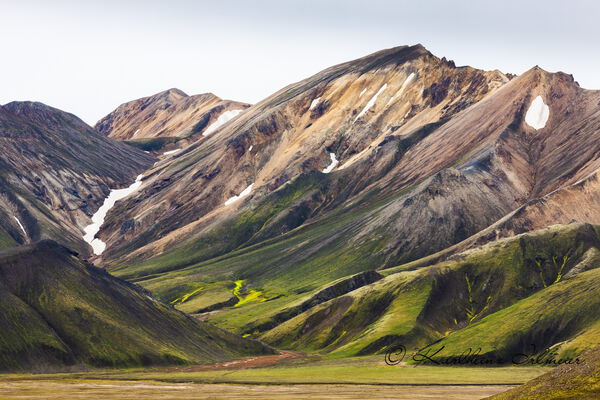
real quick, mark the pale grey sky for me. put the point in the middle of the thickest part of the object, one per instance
(87, 57)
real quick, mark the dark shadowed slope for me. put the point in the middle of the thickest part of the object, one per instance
(55, 172)
(59, 312)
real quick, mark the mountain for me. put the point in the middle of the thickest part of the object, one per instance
(398, 157)
(294, 134)
(168, 117)
(55, 172)
(396, 197)
(60, 312)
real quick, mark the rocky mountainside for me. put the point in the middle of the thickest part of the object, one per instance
(59, 312)
(367, 165)
(346, 119)
(168, 117)
(55, 172)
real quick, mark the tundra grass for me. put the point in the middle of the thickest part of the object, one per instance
(488, 297)
(360, 370)
(6, 241)
(151, 144)
(563, 313)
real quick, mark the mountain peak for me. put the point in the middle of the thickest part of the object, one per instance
(395, 55)
(172, 94)
(19, 107)
(539, 75)
(168, 113)
(43, 114)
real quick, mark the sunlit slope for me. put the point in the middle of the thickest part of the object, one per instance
(577, 382)
(539, 288)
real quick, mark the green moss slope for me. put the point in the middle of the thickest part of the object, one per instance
(59, 312)
(538, 288)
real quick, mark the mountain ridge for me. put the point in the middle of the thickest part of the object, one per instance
(167, 114)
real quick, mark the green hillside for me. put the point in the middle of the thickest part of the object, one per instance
(538, 288)
(60, 312)
(574, 382)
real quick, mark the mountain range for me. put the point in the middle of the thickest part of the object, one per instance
(396, 199)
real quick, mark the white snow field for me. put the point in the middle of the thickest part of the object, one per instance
(334, 163)
(222, 120)
(538, 113)
(20, 225)
(371, 102)
(244, 193)
(314, 103)
(166, 153)
(408, 80)
(98, 218)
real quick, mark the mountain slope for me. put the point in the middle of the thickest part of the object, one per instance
(537, 289)
(169, 116)
(429, 155)
(60, 312)
(55, 172)
(574, 381)
(287, 135)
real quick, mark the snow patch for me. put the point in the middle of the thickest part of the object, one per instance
(314, 103)
(244, 193)
(538, 113)
(98, 218)
(136, 132)
(371, 102)
(166, 153)
(222, 120)
(334, 163)
(250, 149)
(21, 225)
(408, 80)
(362, 92)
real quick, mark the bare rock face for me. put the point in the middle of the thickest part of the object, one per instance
(346, 110)
(55, 173)
(171, 113)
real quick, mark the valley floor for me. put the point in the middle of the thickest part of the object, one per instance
(155, 390)
(292, 376)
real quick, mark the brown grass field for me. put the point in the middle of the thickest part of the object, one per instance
(81, 389)
(289, 376)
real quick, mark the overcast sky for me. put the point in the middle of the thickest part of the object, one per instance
(87, 57)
